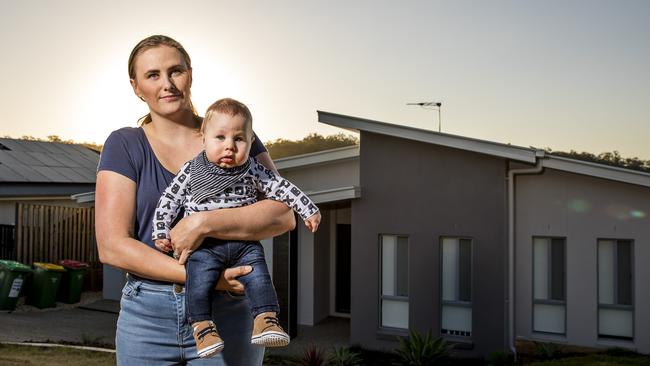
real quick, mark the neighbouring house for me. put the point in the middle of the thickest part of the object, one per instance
(482, 243)
(486, 244)
(46, 192)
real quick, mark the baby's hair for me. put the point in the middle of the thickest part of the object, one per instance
(231, 107)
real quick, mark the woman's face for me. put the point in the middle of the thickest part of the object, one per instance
(163, 80)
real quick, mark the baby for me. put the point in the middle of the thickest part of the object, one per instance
(224, 176)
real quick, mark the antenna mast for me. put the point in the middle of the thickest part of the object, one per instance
(435, 105)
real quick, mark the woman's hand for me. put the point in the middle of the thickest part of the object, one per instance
(187, 235)
(228, 279)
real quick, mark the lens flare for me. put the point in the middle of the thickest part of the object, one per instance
(637, 214)
(578, 205)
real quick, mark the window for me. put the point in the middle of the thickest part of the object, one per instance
(615, 289)
(456, 267)
(549, 285)
(394, 282)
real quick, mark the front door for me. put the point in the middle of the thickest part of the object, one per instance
(342, 269)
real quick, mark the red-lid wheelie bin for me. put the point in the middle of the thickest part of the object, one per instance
(72, 281)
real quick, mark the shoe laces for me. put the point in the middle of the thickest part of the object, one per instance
(271, 321)
(205, 331)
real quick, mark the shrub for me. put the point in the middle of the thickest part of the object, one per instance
(313, 356)
(547, 351)
(422, 351)
(500, 358)
(344, 356)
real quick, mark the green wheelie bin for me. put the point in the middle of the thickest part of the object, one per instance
(45, 284)
(12, 278)
(72, 281)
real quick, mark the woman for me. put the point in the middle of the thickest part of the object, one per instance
(136, 166)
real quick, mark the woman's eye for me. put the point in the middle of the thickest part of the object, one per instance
(220, 137)
(151, 76)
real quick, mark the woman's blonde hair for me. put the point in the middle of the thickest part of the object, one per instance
(157, 41)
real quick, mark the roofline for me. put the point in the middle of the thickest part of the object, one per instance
(335, 194)
(35, 198)
(318, 158)
(512, 152)
(597, 170)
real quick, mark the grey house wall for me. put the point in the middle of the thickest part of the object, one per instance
(581, 209)
(426, 192)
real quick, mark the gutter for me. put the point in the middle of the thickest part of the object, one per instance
(539, 157)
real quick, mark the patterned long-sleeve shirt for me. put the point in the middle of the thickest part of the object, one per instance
(258, 179)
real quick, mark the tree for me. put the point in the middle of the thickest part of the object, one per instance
(607, 158)
(313, 142)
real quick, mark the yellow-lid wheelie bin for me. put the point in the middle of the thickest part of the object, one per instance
(45, 284)
(12, 278)
(72, 281)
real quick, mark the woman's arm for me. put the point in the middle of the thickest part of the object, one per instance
(115, 197)
(114, 218)
(261, 220)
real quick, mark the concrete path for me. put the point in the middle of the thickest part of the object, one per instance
(92, 323)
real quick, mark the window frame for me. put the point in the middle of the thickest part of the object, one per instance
(457, 303)
(381, 296)
(615, 283)
(535, 301)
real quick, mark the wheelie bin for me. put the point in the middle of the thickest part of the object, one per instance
(12, 278)
(45, 284)
(72, 281)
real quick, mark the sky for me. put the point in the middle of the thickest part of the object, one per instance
(559, 74)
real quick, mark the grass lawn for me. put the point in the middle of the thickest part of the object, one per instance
(17, 355)
(13, 355)
(597, 360)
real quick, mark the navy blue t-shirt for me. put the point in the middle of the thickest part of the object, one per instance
(127, 152)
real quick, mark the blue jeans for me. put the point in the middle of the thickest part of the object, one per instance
(213, 256)
(152, 328)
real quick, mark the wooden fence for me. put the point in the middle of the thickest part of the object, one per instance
(7, 242)
(51, 233)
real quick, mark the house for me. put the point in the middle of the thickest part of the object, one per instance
(486, 244)
(46, 174)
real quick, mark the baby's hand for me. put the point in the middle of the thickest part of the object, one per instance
(164, 245)
(313, 221)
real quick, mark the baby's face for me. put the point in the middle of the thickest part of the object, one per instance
(227, 140)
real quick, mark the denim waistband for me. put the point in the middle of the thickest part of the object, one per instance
(163, 285)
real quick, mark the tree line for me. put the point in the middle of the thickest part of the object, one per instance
(315, 142)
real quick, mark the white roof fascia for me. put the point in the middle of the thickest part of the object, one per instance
(318, 158)
(436, 138)
(84, 197)
(597, 170)
(335, 194)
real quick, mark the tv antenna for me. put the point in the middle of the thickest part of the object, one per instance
(431, 105)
